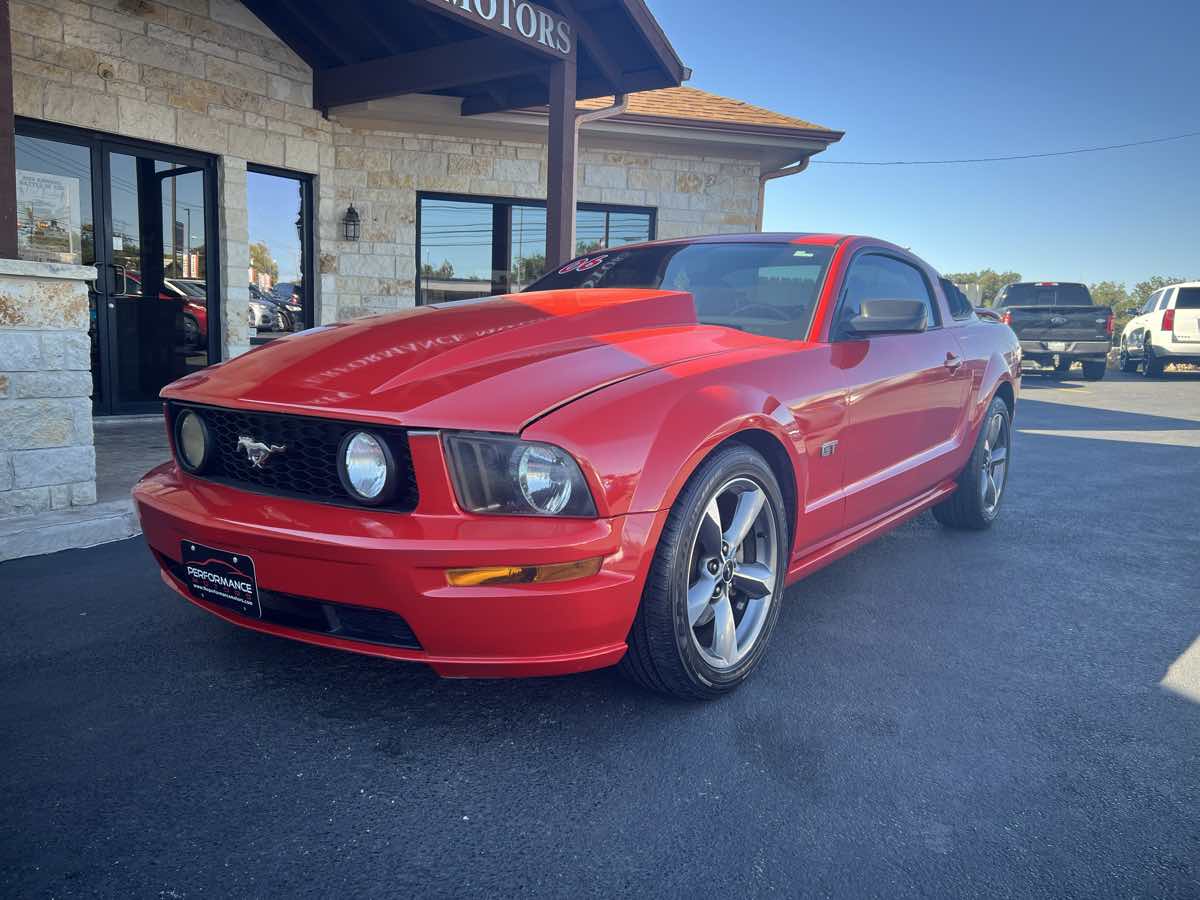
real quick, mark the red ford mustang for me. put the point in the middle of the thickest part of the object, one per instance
(627, 463)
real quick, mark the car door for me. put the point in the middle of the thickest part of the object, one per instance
(906, 393)
(1136, 328)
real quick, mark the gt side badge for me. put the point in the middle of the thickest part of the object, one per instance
(828, 447)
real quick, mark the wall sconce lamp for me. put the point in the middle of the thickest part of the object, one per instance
(350, 224)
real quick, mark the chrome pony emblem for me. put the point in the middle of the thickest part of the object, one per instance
(257, 452)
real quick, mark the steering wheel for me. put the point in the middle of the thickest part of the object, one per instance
(763, 311)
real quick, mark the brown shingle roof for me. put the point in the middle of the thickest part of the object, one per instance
(688, 104)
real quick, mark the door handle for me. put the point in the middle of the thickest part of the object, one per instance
(952, 362)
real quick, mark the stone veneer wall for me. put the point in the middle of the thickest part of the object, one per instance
(46, 456)
(207, 75)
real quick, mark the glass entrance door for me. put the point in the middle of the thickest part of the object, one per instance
(144, 216)
(154, 264)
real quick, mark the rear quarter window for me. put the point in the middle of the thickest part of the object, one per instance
(960, 306)
(1189, 298)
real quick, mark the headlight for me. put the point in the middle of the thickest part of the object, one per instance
(508, 476)
(191, 440)
(366, 468)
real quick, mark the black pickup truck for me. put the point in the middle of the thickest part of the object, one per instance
(1058, 325)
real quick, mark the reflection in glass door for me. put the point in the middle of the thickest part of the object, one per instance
(156, 276)
(54, 216)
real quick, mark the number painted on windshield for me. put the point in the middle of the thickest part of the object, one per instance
(582, 265)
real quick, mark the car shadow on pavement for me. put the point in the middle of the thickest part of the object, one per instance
(1045, 413)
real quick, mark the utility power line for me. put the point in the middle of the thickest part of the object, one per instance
(985, 159)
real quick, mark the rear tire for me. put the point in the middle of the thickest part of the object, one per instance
(983, 481)
(1152, 367)
(1094, 371)
(677, 644)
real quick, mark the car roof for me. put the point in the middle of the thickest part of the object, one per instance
(815, 238)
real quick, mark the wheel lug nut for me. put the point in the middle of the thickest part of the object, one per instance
(713, 567)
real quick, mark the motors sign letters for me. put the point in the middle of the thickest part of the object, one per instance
(532, 25)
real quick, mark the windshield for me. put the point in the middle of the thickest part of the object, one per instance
(767, 289)
(1044, 294)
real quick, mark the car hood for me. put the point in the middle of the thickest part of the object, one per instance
(490, 365)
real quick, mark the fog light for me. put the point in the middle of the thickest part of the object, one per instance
(191, 440)
(568, 571)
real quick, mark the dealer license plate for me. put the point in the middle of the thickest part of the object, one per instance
(1056, 345)
(220, 577)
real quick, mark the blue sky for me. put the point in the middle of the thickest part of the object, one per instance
(926, 80)
(273, 206)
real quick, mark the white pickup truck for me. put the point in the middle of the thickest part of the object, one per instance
(1165, 330)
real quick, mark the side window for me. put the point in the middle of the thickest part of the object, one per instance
(960, 306)
(1166, 298)
(1149, 305)
(873, 276)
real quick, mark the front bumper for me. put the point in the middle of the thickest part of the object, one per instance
(396, 562)
(1071, 349)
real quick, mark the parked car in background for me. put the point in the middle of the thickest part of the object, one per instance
(192, 296)
(626, 463)
(264, 316)
(1058, 324)
(290, 296)
(1165, 330)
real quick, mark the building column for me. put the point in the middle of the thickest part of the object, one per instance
(47, 458)
(235, 257)
(560, 165)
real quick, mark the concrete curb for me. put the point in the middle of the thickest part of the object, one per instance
(67, 529)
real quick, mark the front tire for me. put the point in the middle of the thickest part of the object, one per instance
(1094, 371)
(716, 583)
(976, 503)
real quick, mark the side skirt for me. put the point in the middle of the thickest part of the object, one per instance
(839, 547)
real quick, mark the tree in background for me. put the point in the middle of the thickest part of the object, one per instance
(989, 282)
(1111, 293)
(526, 269)
(445, 270)
(261, 261)
(1143, 289)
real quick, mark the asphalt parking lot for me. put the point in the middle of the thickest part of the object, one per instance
(1006, 714)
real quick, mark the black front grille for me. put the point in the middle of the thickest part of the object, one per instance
(343, 620)
(307, 468)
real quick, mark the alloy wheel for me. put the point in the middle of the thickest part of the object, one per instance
(995, 463)
(732, 573)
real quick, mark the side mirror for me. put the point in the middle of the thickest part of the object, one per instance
(988, 313)
(888, 317)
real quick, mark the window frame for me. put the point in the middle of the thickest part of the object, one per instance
(307, 241)
(837, 334)
(501, 222)
(1165, 302)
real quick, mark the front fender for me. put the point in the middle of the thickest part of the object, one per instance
(642, 439)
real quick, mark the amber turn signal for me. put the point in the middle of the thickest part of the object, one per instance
(523, 574)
